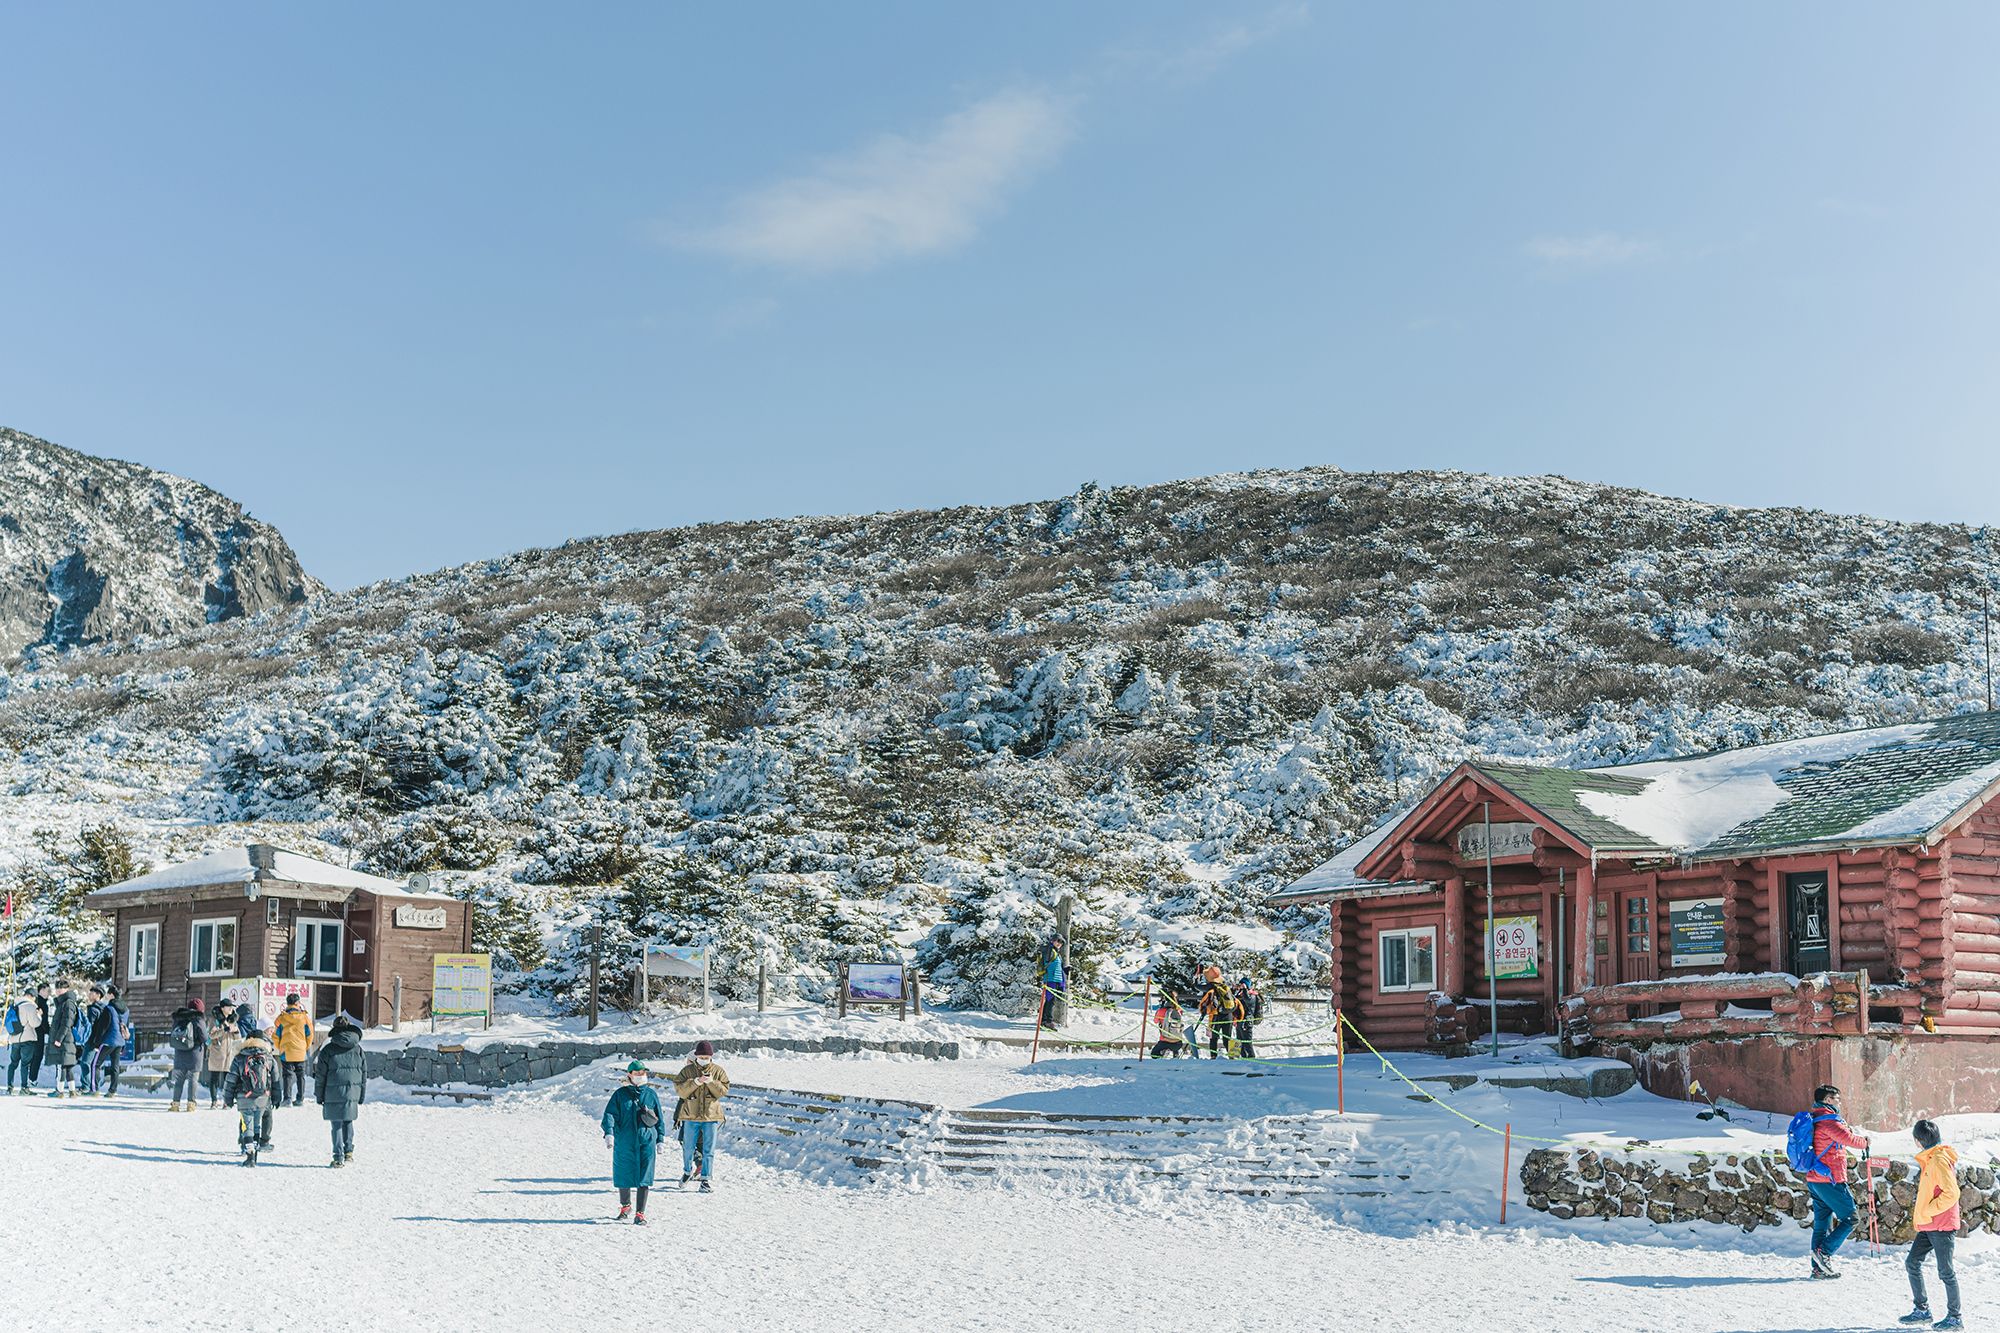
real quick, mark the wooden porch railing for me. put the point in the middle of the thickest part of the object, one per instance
(1822, 1004)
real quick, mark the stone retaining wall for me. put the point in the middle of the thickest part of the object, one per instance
(1748, 1191)
(501, 1063)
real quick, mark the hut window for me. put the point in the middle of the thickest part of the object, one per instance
(145, 953)
(212, 949)
(1407, 958)
(319, 949)
(1638, 926)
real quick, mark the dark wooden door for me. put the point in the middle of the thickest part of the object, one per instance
(1808, 944)
(1636, 939)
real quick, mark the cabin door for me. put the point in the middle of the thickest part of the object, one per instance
(1808, 941)
(1634, 945)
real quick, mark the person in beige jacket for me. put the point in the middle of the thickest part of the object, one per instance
(223, 1043)
(701, 1085)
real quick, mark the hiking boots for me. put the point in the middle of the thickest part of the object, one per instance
(1920, 1315)
(624, 1211)
(1949, 1321)
(173, 1106)
(639, 1220)
(250, 1157)
(1822, 1265)
(706, 1188)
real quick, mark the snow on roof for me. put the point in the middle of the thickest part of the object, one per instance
(1341, 871)
(233, 866)
(1689, 803)
(1881, 784)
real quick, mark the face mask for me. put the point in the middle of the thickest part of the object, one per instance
(701, 1060)
(637, 1080)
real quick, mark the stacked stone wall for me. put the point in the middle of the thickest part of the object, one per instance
(503, 1064)
(1745, 1191)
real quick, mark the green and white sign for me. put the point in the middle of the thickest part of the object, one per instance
(1516, 944)
(1697, 927)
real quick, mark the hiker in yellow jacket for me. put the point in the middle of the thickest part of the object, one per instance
(291, 1039)
(1935, 1213)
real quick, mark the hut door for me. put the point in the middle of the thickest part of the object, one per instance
(1808, 944)
(1635, 944)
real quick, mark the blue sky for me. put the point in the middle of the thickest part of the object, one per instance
(430, 283)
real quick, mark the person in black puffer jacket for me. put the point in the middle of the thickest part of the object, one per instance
(187, 1020)
(340, 1085)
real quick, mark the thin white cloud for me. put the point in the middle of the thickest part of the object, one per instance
(898, 197)
(1204, 57)
(1582, 254)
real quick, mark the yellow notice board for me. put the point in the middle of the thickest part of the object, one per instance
(461, 984)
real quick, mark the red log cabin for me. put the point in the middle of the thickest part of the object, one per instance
(259, 910)
(1840, 886)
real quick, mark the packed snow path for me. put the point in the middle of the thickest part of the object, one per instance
(494, 1215)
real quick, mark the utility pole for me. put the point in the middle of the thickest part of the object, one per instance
(1492, 963)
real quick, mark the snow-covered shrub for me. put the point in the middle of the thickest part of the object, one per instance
(451, 839)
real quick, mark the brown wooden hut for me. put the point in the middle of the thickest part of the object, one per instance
(192, 928)
(1706, 917)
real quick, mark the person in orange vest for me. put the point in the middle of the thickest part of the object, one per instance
(1218, 1006)
(291, 1038)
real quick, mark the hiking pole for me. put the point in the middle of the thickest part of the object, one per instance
(1868, 1175)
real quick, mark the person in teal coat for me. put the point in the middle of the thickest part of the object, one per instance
(632, 1132)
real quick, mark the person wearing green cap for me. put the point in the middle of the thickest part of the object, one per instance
(632, 1133)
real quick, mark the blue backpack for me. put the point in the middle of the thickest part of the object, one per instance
(81, 1028)
(1799, 1145)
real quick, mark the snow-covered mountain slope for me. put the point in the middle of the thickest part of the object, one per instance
(817, 738)
(97, 551)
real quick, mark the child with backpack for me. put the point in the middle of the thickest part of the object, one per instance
(253, 1076)
(1936, 1215)
(1171, 1026)
(1816, 1144)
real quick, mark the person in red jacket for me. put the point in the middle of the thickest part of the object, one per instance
(1832, 1202)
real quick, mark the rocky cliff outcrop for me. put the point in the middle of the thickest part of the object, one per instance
(93, 550)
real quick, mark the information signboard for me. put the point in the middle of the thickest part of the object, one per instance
(264, 997)
(1516, 946)
(1696, 927)
(675, 960)
(875, 983)
(461, 985)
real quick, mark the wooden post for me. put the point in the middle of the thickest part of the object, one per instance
(763, 988)
(1506, 1167)
(903, 998)
(1035, 1048)
(843, 990)
(1339, 1062)
(916, 993)
(1145, 1007)
(593, 978)
(396, 1022)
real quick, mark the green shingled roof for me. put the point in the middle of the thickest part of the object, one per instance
(1883, 784)
(1553, 791)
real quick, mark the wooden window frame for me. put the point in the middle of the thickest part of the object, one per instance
(132, 932)
(194, 934)
(301, 931)
(1382, 938)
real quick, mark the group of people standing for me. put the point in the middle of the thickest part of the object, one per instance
(231, 1055)
(80, 1034)
(1232, 1014)
(634, 1125)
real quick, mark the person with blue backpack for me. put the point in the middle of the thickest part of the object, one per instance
(1816, 1144)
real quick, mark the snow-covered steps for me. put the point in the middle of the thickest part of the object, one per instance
(1302, 1157)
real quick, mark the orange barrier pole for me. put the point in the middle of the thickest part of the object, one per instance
(1506, 1166)
(1145, 1007)
(1041, 998)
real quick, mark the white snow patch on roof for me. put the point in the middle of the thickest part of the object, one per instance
(1689, 803)
(232, 866)
(1926, 812)
(1343, 871)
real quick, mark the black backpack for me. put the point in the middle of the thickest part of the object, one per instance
(182, 1037)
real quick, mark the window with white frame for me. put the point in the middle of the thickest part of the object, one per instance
(318, 952)
(1408, 958)
(145, 953)
(212, 948)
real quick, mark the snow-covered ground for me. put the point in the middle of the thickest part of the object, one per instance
(495, 1214)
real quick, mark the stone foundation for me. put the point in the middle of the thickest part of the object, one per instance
(1746, 1191)
(501, 1064)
